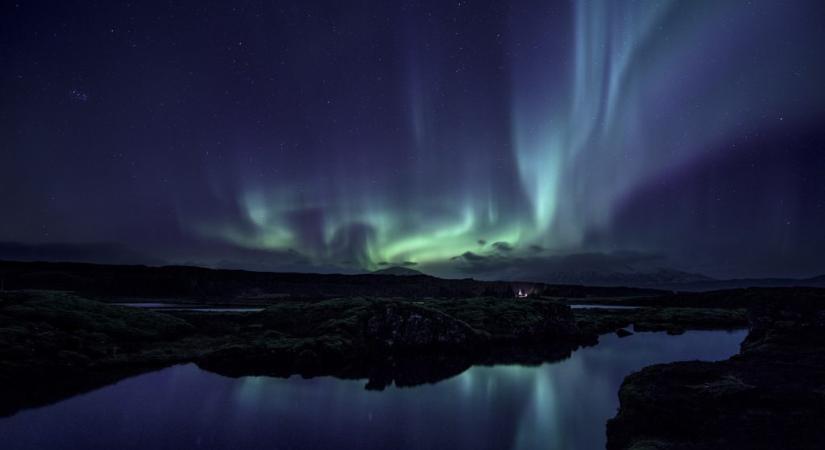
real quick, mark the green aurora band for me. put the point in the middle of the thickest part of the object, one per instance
(599, 104)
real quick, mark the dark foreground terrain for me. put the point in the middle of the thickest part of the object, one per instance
(54, 344)
(769, 396)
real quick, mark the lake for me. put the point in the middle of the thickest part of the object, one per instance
(560, 405)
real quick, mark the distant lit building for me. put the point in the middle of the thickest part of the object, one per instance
(523, 290)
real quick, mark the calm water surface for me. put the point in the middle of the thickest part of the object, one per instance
(561, 405)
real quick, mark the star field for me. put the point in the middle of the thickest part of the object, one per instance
(471, 138)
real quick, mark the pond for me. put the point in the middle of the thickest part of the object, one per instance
(560, 405)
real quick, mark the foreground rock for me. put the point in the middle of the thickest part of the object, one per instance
(396, 341)
(621, 332)
(771, 395)
(403, 327)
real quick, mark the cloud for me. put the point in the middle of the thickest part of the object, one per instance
(502, 246)
(470, 256)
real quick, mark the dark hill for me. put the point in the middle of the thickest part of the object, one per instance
(227, 286)
(398, 271)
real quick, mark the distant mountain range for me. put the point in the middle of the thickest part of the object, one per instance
(587, 274)
(399, 271)
(656, 278)
(674, 280)
(240, 286)
(712, 284)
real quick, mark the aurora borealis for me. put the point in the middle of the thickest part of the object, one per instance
(465, 138)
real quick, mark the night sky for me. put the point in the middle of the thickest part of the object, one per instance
(489, 139)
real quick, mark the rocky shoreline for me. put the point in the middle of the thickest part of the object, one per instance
(771, 395)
